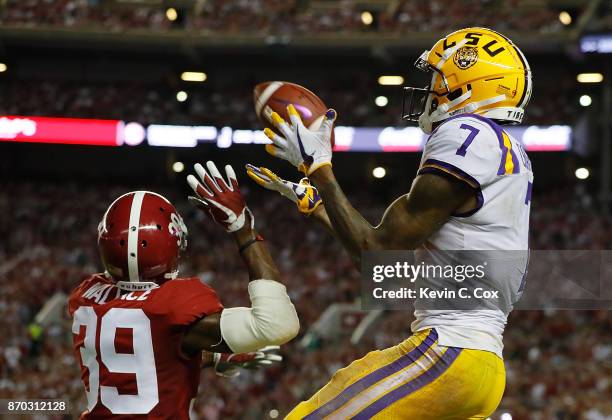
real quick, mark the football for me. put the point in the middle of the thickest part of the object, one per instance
(276, 95)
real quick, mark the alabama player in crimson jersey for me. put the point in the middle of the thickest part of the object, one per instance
(139, 330)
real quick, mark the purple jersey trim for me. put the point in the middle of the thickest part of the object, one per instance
(500, 138)
(505, 150)
(529, 191)
(454, 117)
(438, 167)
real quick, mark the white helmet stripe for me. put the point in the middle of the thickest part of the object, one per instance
(449, 52)
(445, 56)
(132, 248)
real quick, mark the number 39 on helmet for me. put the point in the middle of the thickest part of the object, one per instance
(473, 70)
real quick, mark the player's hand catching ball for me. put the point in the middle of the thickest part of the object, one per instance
(218, 198)
(305, 149)
(304, 195)
(229, 365)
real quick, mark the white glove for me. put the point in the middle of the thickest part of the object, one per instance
(305, 149)
(304, 195)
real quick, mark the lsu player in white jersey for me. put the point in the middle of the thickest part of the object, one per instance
(472, 191)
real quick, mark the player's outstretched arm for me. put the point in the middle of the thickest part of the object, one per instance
(407, 222)
(271, 319)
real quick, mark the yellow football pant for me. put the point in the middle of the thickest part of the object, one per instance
(417, 379)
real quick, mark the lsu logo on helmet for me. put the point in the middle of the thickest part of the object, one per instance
(473, 70)
(466, 57)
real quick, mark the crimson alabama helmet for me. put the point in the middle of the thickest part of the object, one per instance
(139, 239)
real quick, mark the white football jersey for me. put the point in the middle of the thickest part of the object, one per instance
(477, 151)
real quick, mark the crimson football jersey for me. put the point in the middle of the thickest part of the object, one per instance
(128, 345)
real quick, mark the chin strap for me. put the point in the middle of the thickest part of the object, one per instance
(442, 112)
(475, 106)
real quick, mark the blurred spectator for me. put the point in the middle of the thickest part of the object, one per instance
(147, 104)
(282, 17)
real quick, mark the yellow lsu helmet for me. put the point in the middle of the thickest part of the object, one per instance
(474, 71)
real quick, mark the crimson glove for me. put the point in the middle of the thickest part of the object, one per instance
(221, 200)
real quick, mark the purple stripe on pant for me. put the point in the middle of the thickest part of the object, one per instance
(403, 391)
(370, 379)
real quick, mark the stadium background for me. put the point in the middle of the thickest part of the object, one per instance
(124, 60)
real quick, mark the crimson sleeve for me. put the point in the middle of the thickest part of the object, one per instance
(190, 300)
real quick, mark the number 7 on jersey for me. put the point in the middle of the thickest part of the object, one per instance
(473, 131)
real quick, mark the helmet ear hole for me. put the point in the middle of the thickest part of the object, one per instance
(454, 94)
(144, 244)
(434, 104)
(122, 242)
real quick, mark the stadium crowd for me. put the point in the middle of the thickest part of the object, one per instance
(559, 363)
(208, 105)
(277, 17)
